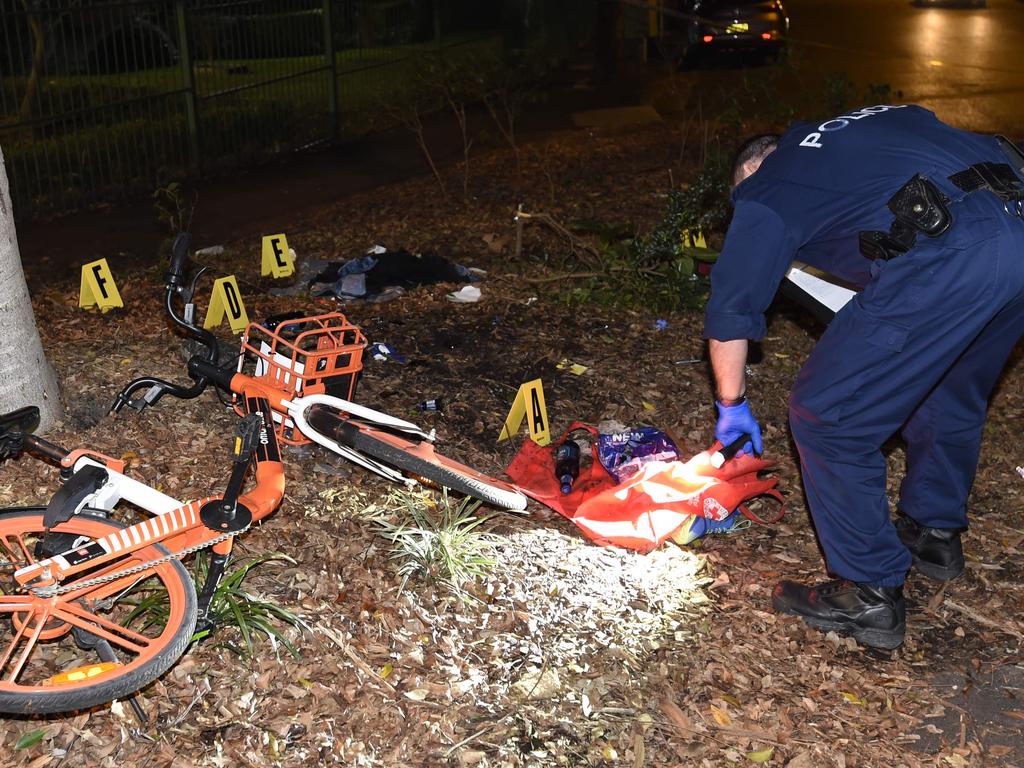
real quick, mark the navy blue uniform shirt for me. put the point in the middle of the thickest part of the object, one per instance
(812, 196)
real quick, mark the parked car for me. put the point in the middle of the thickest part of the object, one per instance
(757, 27)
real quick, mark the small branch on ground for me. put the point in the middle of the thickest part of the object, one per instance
(579, 245)
(984, 620)
(568, 275)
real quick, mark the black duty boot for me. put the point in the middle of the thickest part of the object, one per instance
(875, 616)
(938, 553)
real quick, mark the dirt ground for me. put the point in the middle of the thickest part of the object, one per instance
(569, 654)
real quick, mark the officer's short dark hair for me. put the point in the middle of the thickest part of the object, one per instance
(754, 148)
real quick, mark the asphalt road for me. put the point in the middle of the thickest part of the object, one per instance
(964, 64)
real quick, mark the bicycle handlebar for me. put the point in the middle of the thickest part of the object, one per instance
(202, 368)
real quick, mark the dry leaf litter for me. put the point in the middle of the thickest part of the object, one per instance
(567, 654)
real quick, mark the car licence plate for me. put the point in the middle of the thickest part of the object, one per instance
(737, 27)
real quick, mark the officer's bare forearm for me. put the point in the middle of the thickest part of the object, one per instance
(728, 361)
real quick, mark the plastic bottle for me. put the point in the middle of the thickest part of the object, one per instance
(567, 465)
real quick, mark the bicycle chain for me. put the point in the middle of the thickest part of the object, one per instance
(53, 591)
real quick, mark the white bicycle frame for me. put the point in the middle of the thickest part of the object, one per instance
(298, 407)
(121, 487)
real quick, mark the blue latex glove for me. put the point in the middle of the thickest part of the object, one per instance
(734, 421)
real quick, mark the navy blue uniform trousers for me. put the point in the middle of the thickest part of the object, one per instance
(919, 351)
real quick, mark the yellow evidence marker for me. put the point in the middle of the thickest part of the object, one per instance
(277, 258)
(529, 403)
(98, 288)
(574, 368)
(693, 239)
(226, 300)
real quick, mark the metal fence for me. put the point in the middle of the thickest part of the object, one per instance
(104, 99)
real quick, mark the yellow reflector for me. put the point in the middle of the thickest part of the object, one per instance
(79, 674)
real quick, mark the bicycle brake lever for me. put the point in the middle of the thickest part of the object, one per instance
(120, 402)
(11, 444)
(139, 404)
(188, 293)
(13, 428)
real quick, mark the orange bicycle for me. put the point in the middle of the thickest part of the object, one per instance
(96, 609)
(306, 368)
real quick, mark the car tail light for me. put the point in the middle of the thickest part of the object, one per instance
(766, 35)
(708, 38)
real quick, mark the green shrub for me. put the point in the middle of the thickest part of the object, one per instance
(699, 207)
(661, 270)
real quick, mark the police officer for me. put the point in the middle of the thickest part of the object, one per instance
(926, 220)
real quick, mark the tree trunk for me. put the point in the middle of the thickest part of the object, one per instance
(26, 377)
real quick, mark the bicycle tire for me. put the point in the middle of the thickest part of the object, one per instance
(33, 691)
(415, 457)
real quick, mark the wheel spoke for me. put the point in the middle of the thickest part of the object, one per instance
(107, 630)
(16, 603)
(36, 631)
(20, 548)
(12, 646)
(68, 610)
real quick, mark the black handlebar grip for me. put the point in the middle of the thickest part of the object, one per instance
(14, 427)
(22, 420)
(199, 368)
(179, 253)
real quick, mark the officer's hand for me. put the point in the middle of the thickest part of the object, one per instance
(734, 421)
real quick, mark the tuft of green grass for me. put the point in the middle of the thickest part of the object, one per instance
(436, 538)
(232, 606)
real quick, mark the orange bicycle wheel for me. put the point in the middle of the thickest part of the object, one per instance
(93, 645)
(414, 457)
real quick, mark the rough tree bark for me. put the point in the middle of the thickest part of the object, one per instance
(26, 377)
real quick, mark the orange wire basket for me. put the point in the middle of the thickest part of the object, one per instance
(303, 356)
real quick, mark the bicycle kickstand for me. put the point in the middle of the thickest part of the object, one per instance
(88, 641)
(205, 625)
(226, 514)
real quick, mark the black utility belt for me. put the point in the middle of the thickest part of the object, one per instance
(919, 207)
